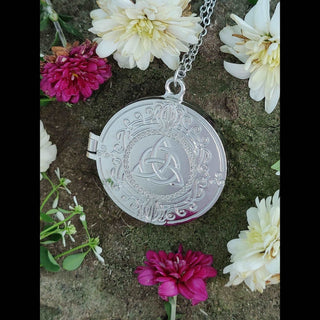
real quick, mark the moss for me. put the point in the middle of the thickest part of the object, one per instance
(251, 139)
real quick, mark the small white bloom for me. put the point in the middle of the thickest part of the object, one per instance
(255, 41)
(48, 151)
(68, 229)
(78, 207)
(97, 251)
(137, 32)
(255, 255)
(63, 181)
(60, 216)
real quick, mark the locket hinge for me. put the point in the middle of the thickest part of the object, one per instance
(92, 146)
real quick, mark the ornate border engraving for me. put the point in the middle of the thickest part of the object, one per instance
(160, 126)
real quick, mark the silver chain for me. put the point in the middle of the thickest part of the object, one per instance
(187, 59)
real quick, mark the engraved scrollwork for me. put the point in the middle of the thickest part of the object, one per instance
(162, 155)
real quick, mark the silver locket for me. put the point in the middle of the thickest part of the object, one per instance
(159, 160)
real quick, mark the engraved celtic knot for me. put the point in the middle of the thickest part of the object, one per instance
(160, 164)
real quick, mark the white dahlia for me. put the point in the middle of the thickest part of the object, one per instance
(255, 255)
(48, 151)
(255, 41)
(137, 32)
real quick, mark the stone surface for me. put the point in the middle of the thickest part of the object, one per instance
(251, 141)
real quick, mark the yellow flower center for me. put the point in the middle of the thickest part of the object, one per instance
(265, 51)
(266, 239)
(266, 56)
(144, 28)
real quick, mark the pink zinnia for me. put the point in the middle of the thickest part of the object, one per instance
(178, 273)
(73, 72)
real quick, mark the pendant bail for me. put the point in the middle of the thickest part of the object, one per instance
(177, 96)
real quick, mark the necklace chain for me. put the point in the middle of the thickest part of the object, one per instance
(187, 59)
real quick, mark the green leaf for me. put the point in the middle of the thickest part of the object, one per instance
(44, 23)
(64, 211)
(45, 218)
(52, 238)
(276, 166)
(56, 40)
(47, 260)
(45, 101)
(51, 211)
(73, 261)
(65, 17)
(69, 28)
(167, 307)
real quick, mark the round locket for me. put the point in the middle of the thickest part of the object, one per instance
(159, 160)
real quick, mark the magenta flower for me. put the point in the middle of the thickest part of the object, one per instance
(178, 273)
(72, 73)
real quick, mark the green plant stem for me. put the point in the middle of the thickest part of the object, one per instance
(173, 302)
(54, 189)
(53, 16)
(44, 175)
(45, 233)
(49, 195)
(87, 244)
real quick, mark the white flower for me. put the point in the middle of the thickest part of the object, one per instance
(48, 151)
(64, 181)
(77, 207)
(255, 41)
(137, 32)
(69, 228)
(97, 251)
(256, 253)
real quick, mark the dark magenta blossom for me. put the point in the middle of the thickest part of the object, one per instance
(74, 72)
(178, 273)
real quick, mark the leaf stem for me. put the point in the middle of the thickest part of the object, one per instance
(73, 249)
(53, 16)
(54, 189)
(45, 233)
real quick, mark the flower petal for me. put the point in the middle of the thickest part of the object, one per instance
(226, 35)
(236, 70)
(103, 25)
(205, 272)
(247, 30)
(183, 290)
(187, 275)
(144, 61)
(146, 276)
(168, 289)
(124, 61)
(171, 61)
(275, 22)
(98, 14)
(259, 16)
(270, 104)
(198, 289)
(105, 48)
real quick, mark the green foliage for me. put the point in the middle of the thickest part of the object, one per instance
(170, 307)
(44, 99)
(74, 261)
(61, 23)
(47, 260)
(55, 226)
(276, 166)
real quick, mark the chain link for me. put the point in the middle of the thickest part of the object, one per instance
(187, 59)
